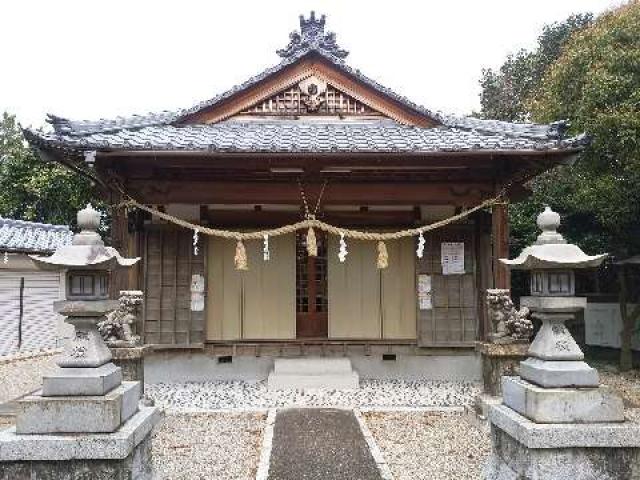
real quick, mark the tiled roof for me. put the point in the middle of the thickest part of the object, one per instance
(31, 237)
(163, 131)
(291, 136)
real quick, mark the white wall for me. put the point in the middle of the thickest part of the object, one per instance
(41, 326)
(603, 324)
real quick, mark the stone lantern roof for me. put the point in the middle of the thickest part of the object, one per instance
(87, 250)
(551, 250)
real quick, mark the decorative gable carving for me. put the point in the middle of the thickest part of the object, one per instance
(311, 96)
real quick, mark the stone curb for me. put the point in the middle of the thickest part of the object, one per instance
(267, 443)
(384, 408)
(14, 357)
(196, 411)
(404, 409)
(376, 453)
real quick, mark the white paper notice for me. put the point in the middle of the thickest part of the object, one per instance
(197, 293)
(424, 292)
(452, 258)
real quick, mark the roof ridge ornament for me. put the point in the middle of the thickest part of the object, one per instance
(312, 37)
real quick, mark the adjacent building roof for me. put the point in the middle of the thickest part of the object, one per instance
(32, 237)
(167, 131)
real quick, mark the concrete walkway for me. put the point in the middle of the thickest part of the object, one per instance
(320, 444)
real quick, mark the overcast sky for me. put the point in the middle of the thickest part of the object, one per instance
(92, 59)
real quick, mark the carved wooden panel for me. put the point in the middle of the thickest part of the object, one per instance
(293, 101)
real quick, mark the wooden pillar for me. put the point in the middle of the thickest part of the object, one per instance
(484, 270)
(120, 241)
(500, 240)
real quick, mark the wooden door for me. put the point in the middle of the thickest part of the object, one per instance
(311, 288)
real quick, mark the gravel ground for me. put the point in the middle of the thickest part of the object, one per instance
(627, 384)
(20, 377)
(372, 393)
(430, 446)
(216, 446)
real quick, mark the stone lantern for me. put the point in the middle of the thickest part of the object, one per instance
(556, 420)
(88, 263)
(85, 418)
(555, 360)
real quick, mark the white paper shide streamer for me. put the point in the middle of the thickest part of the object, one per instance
(421, 243)
(342, 253)
(266, 255)
(195, 242)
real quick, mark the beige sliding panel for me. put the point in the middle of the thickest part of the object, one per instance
(256, 304)
(354, 291)
(269, 290)
(399, 307)
(224, 299)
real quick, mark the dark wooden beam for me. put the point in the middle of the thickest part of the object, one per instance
(164, 191)
(266, 218)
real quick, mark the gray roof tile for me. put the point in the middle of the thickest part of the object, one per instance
(22, 236)
(278, 136)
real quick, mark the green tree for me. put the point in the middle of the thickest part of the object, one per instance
(31, 189)
(596, 84)
(506, 91)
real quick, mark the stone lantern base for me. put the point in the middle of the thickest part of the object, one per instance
(525, 450)
(122, 455)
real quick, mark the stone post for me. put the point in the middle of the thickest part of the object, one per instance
(117, 330)
(85, 422)
(506, 346)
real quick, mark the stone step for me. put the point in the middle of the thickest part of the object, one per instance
(305, 373)
(312, 366)
(299, 382)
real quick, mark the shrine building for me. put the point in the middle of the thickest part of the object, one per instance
(311, 138)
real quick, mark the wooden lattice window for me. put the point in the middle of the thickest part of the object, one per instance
(292, 102)
(452, 319)
(169, 265)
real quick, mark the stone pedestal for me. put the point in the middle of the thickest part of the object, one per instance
(131, 361)
(122, 455)
(562, 405)
(526, 450)
(78, 414)
(556, 422)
